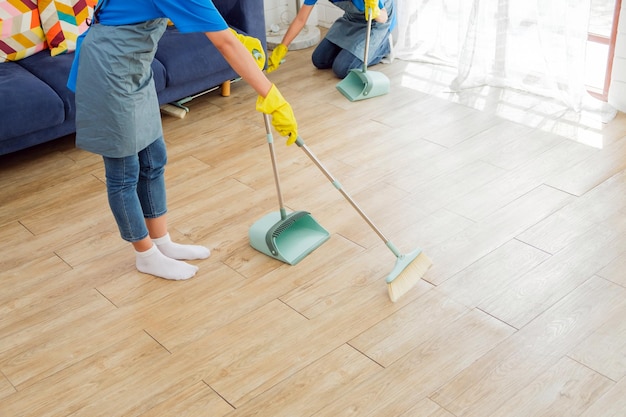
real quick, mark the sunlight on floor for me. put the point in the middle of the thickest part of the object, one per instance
(531, 110)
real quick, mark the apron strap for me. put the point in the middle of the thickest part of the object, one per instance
(96, 13)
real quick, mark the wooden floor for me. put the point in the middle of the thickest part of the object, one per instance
(522, 313)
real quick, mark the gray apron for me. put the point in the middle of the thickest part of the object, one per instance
(117, 109)
(348, 31)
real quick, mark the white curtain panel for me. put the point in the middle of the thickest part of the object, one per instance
(617, 90)
(536, 46)
(431, 30)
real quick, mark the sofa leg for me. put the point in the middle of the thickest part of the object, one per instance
(226, 89)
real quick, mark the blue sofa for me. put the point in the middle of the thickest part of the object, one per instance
(36, 106)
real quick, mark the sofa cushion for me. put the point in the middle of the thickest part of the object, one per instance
(21, 34)
(53, 71)
(63, 21)
(183, 67)
(28, 104)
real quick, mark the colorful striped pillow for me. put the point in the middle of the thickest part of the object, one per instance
(63, 21)
(21, 34)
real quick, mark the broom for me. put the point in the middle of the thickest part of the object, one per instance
(409, 268)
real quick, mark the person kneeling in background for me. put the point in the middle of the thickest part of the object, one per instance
(343, 47)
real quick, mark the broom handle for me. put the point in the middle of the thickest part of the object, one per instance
(367, 40)
(270, 142)
(338, 186)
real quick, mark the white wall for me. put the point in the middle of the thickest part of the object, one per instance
(617, 91)
(327, 13)
(282, 12)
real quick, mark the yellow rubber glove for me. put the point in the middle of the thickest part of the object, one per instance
(254, 46)
(278, 54)
(283, 118)
(371, 5)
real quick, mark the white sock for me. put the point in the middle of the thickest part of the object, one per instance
(153, 262)
(178, 251)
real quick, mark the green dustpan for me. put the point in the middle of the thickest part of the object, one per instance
(359, 85)
(286, 237)
(362, 84)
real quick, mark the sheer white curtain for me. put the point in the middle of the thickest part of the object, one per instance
(531, 45)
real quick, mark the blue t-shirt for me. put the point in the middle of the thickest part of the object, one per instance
(188, 15)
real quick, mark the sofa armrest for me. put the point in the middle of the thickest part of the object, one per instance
(246, 15)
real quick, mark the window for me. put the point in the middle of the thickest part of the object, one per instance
(602, 32)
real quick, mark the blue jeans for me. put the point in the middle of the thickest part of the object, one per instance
(328, 55)
(136, 189)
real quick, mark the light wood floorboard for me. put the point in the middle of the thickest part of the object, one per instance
(521, 315)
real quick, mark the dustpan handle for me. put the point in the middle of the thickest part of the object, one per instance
(270, 142)
(367, 40)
